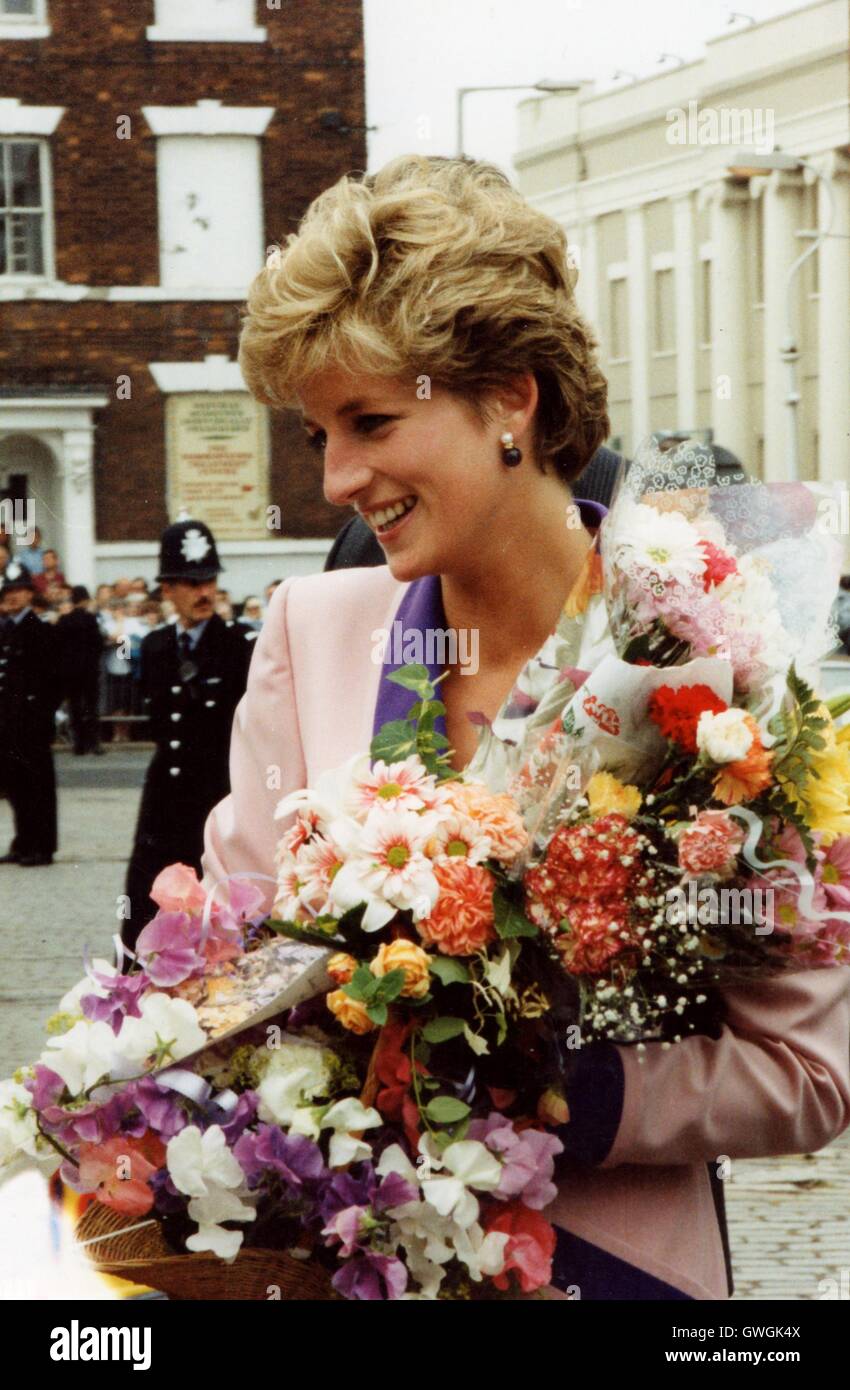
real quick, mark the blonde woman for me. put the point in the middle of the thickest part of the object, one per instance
(423, 323)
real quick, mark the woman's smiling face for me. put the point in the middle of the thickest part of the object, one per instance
(425, 474)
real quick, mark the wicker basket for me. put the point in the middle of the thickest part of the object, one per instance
(143, 1257)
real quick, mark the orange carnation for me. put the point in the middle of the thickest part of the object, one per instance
(744, 779)
(462, 919)
(495, 813)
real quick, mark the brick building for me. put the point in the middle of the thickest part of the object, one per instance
(149, 155)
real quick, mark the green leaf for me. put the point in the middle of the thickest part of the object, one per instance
(446, 1110)
(413, 676)
(393, 742)
(478, 1044)
(390, 985)
(378, 1013)
(442, 1029)
(449, 971)
(509, 919)
(350, 920)
(363, 985)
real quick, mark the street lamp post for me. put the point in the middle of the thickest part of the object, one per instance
(747, 164)
(545, 85)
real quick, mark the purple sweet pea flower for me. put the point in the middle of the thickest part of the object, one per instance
(92, 1123)
(371, 1277)
(344, 1190)
(394, 1191)
(167, 1199)
(166, 948)
(45, 1086)
(528, 1158)
(347, 1228)
(236, 1121)
(292, 1156)
(161, 1107)
(365, 1190)
(121, 1000)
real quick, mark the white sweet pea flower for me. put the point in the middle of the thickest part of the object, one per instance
(201, 1163)
(85, 1054)
(723, 737)
(421, 1228)
(167, 1030)
(71, 1002)
(395, 1160)
(220, 1204)
(344, 1118)
(19, 1137)
(425, 1272)
(471, 1165)
(483, 1254)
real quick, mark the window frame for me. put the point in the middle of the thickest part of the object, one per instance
(25, 26)
(25, 277)
(162, 32)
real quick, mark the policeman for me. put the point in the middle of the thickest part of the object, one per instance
(30, 693)
(193, 674)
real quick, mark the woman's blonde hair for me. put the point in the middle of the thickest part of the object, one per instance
(440, 268)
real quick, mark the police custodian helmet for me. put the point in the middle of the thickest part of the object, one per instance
(17, 576)
(187, 551)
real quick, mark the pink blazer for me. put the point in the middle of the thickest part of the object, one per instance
(777, 1080)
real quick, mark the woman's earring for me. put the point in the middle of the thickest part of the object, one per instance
(511, 454)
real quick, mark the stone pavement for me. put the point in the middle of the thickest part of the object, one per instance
(789, 1218)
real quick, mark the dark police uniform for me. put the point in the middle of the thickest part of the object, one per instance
(30, 693)
(190, 694)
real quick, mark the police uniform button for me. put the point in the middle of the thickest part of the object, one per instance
(175, 743)
(175, 771)
(210, 704)
(175, 689)
(175, 716)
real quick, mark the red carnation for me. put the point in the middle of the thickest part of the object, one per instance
(586, 862)
(677, 712)
(718, 564)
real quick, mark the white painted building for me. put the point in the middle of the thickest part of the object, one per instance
(683, 264)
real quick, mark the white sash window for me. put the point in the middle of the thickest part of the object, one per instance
(206, 21)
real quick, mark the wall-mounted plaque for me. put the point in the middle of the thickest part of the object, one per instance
(218, 462)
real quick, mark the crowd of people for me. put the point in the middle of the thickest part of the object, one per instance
(125, 611)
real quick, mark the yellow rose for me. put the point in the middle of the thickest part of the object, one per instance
(605, 793)
(350, 1012)
(341, 967)
(406, 956)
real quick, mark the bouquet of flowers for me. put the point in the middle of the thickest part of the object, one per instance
(374, 1081)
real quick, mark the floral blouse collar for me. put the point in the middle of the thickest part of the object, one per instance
(545, 683)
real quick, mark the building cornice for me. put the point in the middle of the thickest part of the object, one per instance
(216, 373)
(17, 119)
(208, 117)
